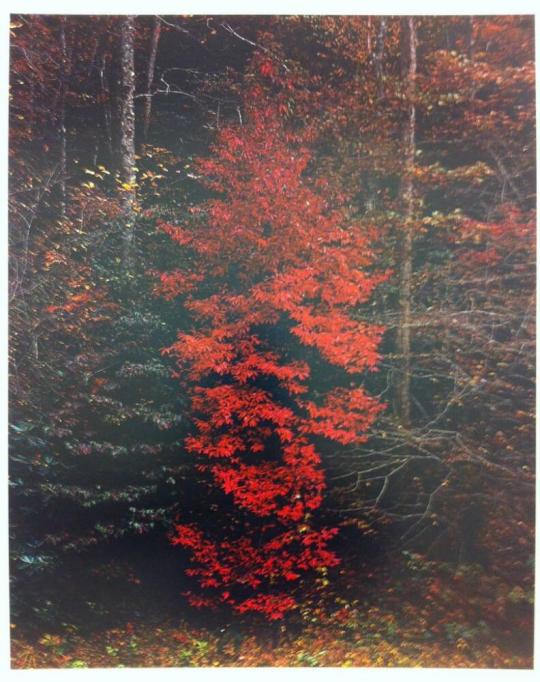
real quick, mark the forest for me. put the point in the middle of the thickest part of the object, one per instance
(272, 341)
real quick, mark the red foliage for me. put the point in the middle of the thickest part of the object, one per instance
(272, 267)
(491, 243)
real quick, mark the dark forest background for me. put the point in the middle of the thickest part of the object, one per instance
(436, 510)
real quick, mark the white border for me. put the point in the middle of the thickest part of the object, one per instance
(419, 7)
(391, 7)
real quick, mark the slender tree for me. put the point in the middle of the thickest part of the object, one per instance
(127, 132)
(154, 44)
(274, 278)
(403, 346)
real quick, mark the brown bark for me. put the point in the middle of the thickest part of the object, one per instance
(107, 110)
(403, 394)
(62, 117)
(469, 40)
(156, 32)
(379, 56)
(127, 132)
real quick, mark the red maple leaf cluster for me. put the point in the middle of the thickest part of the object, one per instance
(272, 268)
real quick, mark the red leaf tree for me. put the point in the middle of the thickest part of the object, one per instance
(273, 280)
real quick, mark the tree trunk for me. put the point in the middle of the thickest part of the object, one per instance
(150, 76)
(379, 56)
(107, 111)
(62, 118)
(403, 395)
(469, 39)
(127, 134)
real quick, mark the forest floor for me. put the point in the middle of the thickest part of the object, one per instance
(181, 646)
(434, 617)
